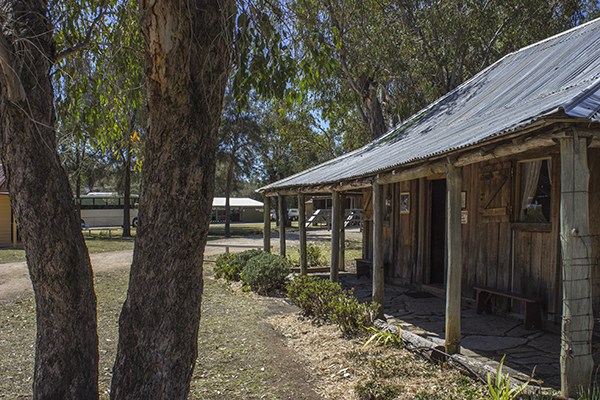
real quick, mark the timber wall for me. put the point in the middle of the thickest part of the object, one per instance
(497, 251)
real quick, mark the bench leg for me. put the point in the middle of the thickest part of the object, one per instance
(533, 315)
(484, 302)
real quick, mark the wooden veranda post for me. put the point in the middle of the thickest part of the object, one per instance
(335, 236)
(454, 238)
(302, 231)
(576, 362)
(282, 222)
(378, 271)
(342, 260)
(267, 224)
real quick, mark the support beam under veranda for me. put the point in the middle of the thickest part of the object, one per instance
(454, 246)
(576, 362)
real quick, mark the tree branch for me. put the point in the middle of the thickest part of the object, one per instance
(83, 45)
(491, 44)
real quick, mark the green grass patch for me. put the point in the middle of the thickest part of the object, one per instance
(353, 251)
(100, 241)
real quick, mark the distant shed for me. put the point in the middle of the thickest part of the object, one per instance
(9, 236)
(243, 209)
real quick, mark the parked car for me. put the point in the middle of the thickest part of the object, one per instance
(293, 214)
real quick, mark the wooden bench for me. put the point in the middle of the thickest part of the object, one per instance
(533, 306)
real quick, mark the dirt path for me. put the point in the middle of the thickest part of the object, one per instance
(288, 374)
(14, 277)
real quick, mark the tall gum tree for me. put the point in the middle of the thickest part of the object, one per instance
(187, 47)
(66, 357)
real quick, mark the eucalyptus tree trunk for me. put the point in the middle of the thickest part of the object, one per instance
(187, 66)
(66, 355)
(372, 113)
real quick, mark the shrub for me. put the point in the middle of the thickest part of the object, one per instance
(230, 266)
(326, 301)
(266, 272)
(316, 297)
(313, 255)
(352, 316)
(223, 268)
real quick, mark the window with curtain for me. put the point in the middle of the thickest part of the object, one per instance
(536, 184)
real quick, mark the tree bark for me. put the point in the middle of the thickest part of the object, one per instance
(373, 113)
(187, 65)
(66, 357)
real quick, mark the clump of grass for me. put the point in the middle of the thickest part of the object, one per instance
(375, 390)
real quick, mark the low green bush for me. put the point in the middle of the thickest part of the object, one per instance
(266, 272)
(326, 301)
(353, 316)
(230, 266)
(316, 297)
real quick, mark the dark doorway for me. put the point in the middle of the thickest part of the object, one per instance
(438, 231)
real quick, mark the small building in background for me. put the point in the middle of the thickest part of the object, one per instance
(243, 209)
(9, 235)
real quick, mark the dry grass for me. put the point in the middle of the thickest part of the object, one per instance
(341, 368)
(233, 359)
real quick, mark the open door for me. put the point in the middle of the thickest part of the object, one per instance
(437, 265)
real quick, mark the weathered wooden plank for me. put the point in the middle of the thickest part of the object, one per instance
(493, 212)
(548, 281)
(492, 261)
(378, 271)
(577, 323)
(526, 266)
(504, 259)
(335, 236)
(472, 253)
(482, 258)
(413, 229)
(267, 224)
(367, 237)
(532, 226)
(517, 269)
(454, 277)
(427, 201)
(342, 216)
(302, 233)
(535, 281)
(282, 222)
(398, 234)
(422, 238)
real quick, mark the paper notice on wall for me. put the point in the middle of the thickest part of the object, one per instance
(464, 217)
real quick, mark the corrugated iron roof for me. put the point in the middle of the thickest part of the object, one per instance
(556, 74)
(236, 202)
